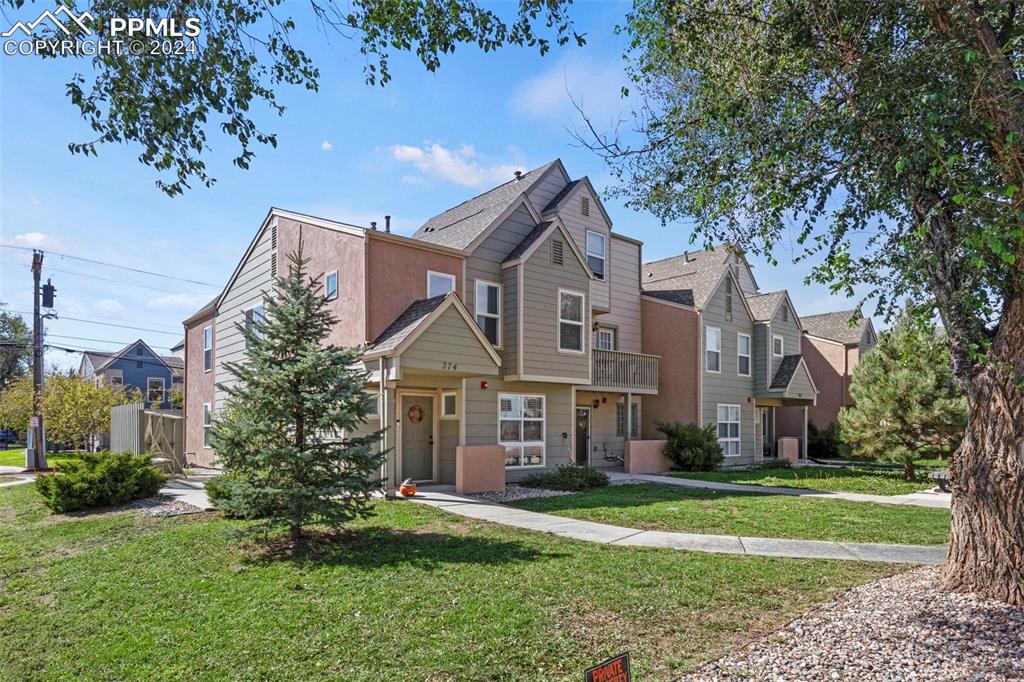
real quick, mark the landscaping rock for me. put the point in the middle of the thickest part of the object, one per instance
(897, 628)
(515, 492)
(162, 505)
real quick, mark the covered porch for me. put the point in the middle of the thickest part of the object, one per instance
(781, 411)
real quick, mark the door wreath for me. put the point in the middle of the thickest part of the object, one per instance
(415, 414)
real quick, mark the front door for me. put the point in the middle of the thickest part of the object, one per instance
(417, 437)
(766, 440)
(582, 435)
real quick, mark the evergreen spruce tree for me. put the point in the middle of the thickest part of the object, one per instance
(906, 401)
(284, 437)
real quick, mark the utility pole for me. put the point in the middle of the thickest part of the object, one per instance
(35, 455)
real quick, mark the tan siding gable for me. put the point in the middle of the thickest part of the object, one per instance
(448, 344)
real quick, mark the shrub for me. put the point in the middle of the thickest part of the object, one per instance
(825, 443)
(691, 447)
(228, 494)
(100, 479)
(570, 478)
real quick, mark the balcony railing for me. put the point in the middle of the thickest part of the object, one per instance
(614, 370)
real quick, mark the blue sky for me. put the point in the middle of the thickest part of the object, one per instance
(351, 152)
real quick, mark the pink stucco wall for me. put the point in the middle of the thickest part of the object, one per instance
(396, 275)
(479, 468)
(198, 390)
(329, 250)
(646, 457)
(827, 363)
(674, 334)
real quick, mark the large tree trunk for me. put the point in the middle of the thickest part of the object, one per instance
(986, 544)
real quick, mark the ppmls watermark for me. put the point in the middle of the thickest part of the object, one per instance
(72, 35)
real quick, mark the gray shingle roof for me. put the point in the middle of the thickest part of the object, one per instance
(459, 226)
(696, 287)
(173, 361)
(763, 305)
(836, 326)
(686, 263)
(97, 359)
(787, 368)
(535, 234)
(405, 323)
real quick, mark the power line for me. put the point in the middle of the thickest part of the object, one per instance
(104, 279)
(119, 343)
(168, 327)
(112, 265)
(128, 358)
(108, 324)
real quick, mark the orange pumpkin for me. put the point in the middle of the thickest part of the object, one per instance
(407, 489)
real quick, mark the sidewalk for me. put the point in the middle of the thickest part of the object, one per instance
(441, 497)
(936, 500)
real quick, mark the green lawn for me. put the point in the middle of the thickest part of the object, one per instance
(16, 458)
(833, 479)
(414, 593)
(673, 508)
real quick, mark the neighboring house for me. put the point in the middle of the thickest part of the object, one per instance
(512, 318)
(736, 358)
(833, 344)
(136, 366)
(178, 349)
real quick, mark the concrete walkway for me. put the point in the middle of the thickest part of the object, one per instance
(189, 489)
(938, 500)
(441, 497)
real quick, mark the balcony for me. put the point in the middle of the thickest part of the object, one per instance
(613, 370)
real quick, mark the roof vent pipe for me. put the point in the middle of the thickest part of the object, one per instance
(373, 225)
(387, 224)
(519, 175)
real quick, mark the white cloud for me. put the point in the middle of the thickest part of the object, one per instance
(35, 240)
(595, 87)
(36, 201)
(463, 166)
(326, 145)
(108, 306)
(178, 302)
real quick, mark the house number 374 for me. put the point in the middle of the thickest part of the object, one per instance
(450, 365)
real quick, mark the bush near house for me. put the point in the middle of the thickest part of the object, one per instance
(570, 478)
(826, 443)
(100, 479)
(691, 447)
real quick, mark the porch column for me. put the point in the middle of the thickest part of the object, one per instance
(629, 415)
(803, 439)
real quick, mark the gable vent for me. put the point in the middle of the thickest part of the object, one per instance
(273, 250)
(728, 305)
(728, 286)
(557, 251)
(585, 205)
(785, 313)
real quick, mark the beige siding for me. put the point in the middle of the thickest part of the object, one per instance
(790, 333)
(245, 292)
(541, 284)
(559, 412)
(543, 192)
(800, 386)
(510, 321)
(577, 224)
(625, 295)
(762, 351)
(606, 446)
(448, 441)
(448, 341)
(727, 387)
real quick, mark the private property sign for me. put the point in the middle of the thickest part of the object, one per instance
(613, 670)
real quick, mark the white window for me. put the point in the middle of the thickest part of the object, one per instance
(596, 249)
(488, 310)
(207, 423)
(570, 321)
(439, 283)
(713, 349)
(207, 349)
(449, 405)
(155, 389)
(521, 429)
(729, 429)
(777, 346)
(116, 381)
(331, 286)
(606, 338)
(743, 355)
(253, 320)
(620, 420)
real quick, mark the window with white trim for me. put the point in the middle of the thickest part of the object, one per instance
(155, 389)
(207, 424)
(597, 249)
(777, 346)
(570, 321)
(729, 429)
(331, 285)
(207, 349)
(606, 338)
(449, 405)
(521, 429)
(488, 310)
(253, 320)
(713, 349)
(439, 283)
(743, 354)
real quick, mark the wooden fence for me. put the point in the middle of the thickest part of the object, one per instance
(162, 432)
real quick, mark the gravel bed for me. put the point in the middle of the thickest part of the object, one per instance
(897, 628)
(628, 481)
(515, 492)
(162, 505)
